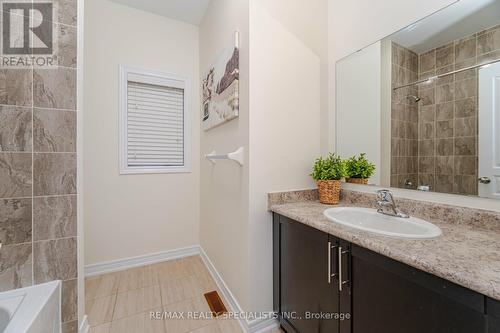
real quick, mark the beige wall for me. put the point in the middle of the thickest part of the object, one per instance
(359, 125)
(385, 108)
(285, 108)
(307, 21)
(132, 215)
(357, 23)
(224, 186)
(280, 81)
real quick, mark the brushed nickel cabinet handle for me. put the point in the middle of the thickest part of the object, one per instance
(330, 275)
(340, 268)
(341, 282)
(329, 262)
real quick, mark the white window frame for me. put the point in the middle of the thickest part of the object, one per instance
(153, 77)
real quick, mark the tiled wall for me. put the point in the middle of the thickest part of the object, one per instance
(38, 170)
(404, 119)
(448, 113)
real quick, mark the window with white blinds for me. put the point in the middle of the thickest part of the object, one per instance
(153, 122)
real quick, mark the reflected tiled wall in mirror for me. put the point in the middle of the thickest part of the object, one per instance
(446, 122)
(404, 118)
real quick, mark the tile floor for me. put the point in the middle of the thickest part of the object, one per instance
(122, 302)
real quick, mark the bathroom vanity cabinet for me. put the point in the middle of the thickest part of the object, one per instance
(318, 277)
(303, 259)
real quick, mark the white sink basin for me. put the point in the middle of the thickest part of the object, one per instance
(367, 219)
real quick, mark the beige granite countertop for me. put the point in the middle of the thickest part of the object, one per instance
(466, 254)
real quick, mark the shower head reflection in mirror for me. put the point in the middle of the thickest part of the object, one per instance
(413, 98)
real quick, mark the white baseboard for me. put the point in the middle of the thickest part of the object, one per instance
(226, 293)
(84, 326)
(255, 326)
(148, 259)
(262, 326)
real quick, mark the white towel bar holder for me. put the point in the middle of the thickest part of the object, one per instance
(236, 156)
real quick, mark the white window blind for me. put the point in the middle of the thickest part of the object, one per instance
(154, 124)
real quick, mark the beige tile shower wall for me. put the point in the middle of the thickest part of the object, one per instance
(404, 119)
(448, 112)
(38, 170)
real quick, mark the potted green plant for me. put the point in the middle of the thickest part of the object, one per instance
(327, 172)
(359, 169)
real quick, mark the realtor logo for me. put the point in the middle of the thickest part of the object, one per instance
(27, 33)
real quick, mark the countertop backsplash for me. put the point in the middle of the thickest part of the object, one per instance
(426, 210)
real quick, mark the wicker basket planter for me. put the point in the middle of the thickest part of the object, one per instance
(329, 191)
(363, 181)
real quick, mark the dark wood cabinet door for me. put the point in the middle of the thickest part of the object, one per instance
(493, 325)
(390, 297)
(305, 293)
(493, 310)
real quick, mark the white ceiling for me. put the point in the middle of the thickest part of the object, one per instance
(456, 21)
(190, 11)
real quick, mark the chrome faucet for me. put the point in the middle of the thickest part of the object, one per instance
(387, 206)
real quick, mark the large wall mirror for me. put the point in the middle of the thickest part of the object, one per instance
(424, 103)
